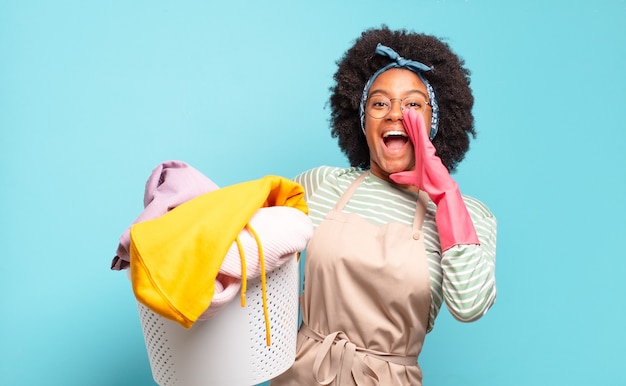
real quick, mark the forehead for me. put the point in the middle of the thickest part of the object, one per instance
(398, 81)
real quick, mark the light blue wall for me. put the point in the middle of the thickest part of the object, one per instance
(94, 94)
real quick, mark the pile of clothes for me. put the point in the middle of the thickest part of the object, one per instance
(195, 245)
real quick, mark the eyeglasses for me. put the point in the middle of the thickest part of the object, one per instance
(378, 106)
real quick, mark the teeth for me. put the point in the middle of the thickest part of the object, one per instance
(390, 133)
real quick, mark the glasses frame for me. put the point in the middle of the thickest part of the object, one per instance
(419, 96)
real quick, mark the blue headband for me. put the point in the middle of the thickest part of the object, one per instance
(399, 62)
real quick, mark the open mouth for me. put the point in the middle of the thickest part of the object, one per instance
(395, 139)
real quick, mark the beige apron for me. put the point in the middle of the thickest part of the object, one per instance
(365, 304)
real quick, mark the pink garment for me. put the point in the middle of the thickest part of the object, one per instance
(282, 230)
(170, 184)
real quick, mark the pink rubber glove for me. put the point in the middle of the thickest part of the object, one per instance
(430, 175)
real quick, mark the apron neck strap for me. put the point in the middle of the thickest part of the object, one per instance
(420, 210)
(345, 197)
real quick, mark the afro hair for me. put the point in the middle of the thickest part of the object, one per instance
(449, 79)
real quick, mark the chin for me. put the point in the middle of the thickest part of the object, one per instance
(398, 168)
(391, 167)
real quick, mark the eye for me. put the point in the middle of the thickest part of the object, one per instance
(413, 103)
(379, 103)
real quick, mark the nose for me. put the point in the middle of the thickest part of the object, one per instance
(395, 110)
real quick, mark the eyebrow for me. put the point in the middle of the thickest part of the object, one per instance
(382, 91)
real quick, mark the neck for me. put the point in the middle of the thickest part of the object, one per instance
(385, 176)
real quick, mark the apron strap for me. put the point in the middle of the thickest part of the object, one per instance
(345, 197)
(420, 210)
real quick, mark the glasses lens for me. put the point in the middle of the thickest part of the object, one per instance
(378, 106)
(416, 103)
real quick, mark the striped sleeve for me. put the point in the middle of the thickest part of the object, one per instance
(323, 186)
(469, 285)
(313, 178)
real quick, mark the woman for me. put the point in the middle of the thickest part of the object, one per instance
(394, 237)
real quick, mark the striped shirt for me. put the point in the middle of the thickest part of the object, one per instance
(463, 276)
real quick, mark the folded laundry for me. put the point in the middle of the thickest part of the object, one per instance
(195, 244)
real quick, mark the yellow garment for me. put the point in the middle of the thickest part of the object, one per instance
(174, 259)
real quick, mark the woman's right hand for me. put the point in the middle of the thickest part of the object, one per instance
(430, 175)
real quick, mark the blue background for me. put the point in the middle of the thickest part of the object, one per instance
(94, 94)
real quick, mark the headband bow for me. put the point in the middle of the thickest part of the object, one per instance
(412, 65)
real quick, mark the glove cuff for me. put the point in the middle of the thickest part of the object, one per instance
(454, 223)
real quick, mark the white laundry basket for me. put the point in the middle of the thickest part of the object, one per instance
(229, 349)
